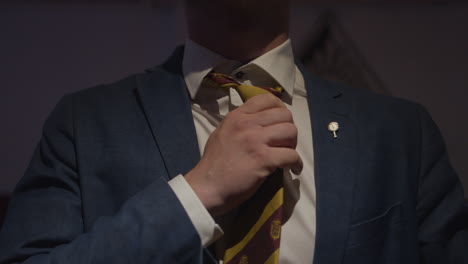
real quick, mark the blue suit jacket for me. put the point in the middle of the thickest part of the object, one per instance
(96, 189)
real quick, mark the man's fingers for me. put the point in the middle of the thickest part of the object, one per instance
(281, 135)
(286, 158)
(260, 102)
(272, 116)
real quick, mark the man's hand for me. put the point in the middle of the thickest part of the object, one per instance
(251, 142)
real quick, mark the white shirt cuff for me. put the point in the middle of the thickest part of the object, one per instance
(208, 230)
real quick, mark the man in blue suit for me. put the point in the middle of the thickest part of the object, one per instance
(118, 177)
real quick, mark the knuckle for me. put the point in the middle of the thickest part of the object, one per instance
(245, 121)
(251, 139)
(242, 122)
(276, 99)
(264, 96)
(295, 156)
(294, 130)
(290, 130)
(270, 97)
(259, 154)
(287, 113)
(237, 120)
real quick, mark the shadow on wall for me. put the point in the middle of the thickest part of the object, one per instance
(405, 52)
(333, 55)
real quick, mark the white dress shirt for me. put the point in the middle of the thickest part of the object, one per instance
(209, 106)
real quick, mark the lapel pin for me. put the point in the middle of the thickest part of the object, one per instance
(333, 127)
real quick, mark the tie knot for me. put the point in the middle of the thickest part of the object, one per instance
(245, 91)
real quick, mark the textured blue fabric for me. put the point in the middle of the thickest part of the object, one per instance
(96, 189)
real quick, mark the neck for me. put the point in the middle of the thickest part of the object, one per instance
(240, 34)
(241, 48)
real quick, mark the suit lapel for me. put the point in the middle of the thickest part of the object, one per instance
(166, 105)
(335, 161)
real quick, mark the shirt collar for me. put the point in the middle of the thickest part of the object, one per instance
(198, 61)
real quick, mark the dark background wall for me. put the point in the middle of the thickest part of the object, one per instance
(418, 50)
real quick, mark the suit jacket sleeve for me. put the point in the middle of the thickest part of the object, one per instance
(44, 223)
(442, 211)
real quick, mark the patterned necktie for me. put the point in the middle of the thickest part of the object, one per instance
(245, 91)
(255, 237)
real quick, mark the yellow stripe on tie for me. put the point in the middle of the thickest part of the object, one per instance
(274, 258)
(245, 91)
(270, 208)
(248, 91)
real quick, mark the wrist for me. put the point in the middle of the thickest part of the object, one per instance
(204, 190)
